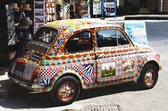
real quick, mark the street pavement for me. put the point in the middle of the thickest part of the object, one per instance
(127, 96)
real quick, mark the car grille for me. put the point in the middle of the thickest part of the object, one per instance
(36, 57)
(38, 46)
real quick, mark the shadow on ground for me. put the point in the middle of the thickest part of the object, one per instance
(19, 98)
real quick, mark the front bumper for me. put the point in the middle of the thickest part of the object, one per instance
(33, 87)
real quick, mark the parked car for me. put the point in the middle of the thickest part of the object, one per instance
(67, 56)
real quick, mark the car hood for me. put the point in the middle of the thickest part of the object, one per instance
(145, 48)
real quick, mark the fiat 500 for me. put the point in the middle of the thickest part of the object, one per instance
(67, 56)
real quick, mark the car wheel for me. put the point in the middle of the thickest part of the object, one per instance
(148, 77)
(65, 91)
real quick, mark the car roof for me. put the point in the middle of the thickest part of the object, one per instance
(78, 24)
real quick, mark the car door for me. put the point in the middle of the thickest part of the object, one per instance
(129, 56)
(106, 59)
(80, 51)
(111, 54)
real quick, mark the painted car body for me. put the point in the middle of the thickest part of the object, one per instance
(43, 62)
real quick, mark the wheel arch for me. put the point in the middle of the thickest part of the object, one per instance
(141, 79)
(153, 63)
(72, 75)
(77, 84)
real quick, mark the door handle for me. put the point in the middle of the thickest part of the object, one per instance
(99, 56)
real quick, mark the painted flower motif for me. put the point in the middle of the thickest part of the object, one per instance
(56, 58)
(78, 55)
(91, 54)
(84, 55)
(63, 57)
(49, 58)
(71, 56)
(107, 52)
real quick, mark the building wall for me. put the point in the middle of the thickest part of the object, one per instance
(165, 6)
(153, 5)
(121, 3)
(135, 2)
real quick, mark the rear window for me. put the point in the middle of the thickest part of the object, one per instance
(46, 35)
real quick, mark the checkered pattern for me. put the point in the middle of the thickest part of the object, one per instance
(48, 72)
(30, 67)
(77, 68)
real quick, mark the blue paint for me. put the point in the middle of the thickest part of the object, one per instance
(56, 75)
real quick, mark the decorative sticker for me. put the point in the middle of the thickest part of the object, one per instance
(108, 69)
(128, 66)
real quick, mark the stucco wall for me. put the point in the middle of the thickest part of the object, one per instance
(134, 2)
(165, 6)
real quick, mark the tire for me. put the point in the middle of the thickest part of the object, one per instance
(148, 77)
(65, 91)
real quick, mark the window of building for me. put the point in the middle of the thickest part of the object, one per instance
(80, 42)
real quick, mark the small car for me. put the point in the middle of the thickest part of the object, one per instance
(67, 56)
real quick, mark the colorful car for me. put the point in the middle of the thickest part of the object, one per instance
(67, 56)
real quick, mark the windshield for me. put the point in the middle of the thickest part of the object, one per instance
(46, 35)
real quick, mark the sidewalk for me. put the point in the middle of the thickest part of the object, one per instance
(3, 73)
(4, 81)
(146, 17)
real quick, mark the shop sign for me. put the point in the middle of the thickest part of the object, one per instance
(96, 7)
(137, 32)
(109, 8)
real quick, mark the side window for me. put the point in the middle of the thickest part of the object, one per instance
(80, 42)
(106, 38)
(122, 40)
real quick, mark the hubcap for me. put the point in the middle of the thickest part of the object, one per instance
(149, 78)
(66, 91)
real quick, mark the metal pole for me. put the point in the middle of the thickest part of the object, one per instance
(115, 8)
(102, 8)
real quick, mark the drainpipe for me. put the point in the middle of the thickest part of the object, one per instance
(102, 8)
(161, 5)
